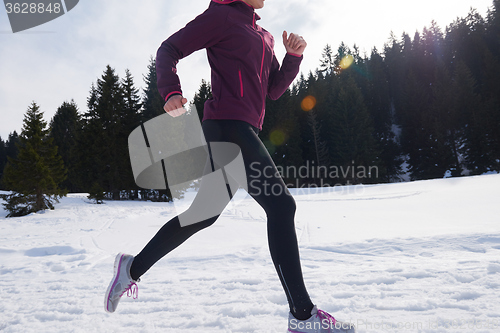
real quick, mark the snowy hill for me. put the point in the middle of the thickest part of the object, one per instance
(407, 257)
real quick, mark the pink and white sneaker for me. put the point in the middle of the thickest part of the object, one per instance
(320, 322)
(121, 283)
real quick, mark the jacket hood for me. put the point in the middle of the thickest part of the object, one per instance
(226, 2)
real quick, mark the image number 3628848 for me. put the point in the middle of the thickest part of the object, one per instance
(26, 14)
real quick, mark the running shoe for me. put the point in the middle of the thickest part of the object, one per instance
(121, 283)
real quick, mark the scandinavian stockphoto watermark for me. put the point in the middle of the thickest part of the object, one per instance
(28, 14)
(327, 179)
(171, 153)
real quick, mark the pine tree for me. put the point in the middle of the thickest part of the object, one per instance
(129, 120)
(310, 94)
(281, 135)
(63, 129)
(465, 42)
(352, 142)
(96, 193)
(201, 96)
(433, 41)
(414, 134)
(474, 122)
(491, 98)
(378, 100)
(98, 147)
(493, 32)
(327, 64)
(322, 158)
(315, 112)
(446, 128)
(10, 150)
(11, 144)
(152, 101)
(35, 174)
(83, 147)
(343, 51)
(397, 57)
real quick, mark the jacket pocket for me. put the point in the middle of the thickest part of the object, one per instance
(241, 82)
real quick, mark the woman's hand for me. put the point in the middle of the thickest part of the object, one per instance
(174, 106)
(294, 43)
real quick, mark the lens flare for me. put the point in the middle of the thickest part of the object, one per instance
(346, 62)
(277, 137)
(308, 103)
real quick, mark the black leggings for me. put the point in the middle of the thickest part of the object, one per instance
(268, 189)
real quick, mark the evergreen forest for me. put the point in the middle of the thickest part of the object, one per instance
(426, 106)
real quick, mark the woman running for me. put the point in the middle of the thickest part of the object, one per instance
(244, 70)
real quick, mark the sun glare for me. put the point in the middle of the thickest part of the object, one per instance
(346, 62)
(277, 137)
(308, 103)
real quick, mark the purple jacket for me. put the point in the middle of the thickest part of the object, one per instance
(244, 67)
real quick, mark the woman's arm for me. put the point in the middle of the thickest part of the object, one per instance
(203, 32)
(281, 78)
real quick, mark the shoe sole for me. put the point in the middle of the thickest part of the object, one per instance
(116, 268)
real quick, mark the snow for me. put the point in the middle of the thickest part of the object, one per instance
(407, 257)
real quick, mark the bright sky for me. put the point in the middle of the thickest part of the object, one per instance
(58, 61)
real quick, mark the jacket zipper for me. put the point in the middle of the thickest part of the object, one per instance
(261, 67)
(260, 79)
(241, 82)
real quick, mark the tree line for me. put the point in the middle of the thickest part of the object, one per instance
(426, 107)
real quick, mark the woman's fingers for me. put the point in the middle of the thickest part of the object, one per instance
(285, 38)
(299, 42)
(293, 42)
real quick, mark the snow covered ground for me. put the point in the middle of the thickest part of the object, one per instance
(407, 257)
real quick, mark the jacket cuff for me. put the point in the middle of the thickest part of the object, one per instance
(295, 55)
(173, 93)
